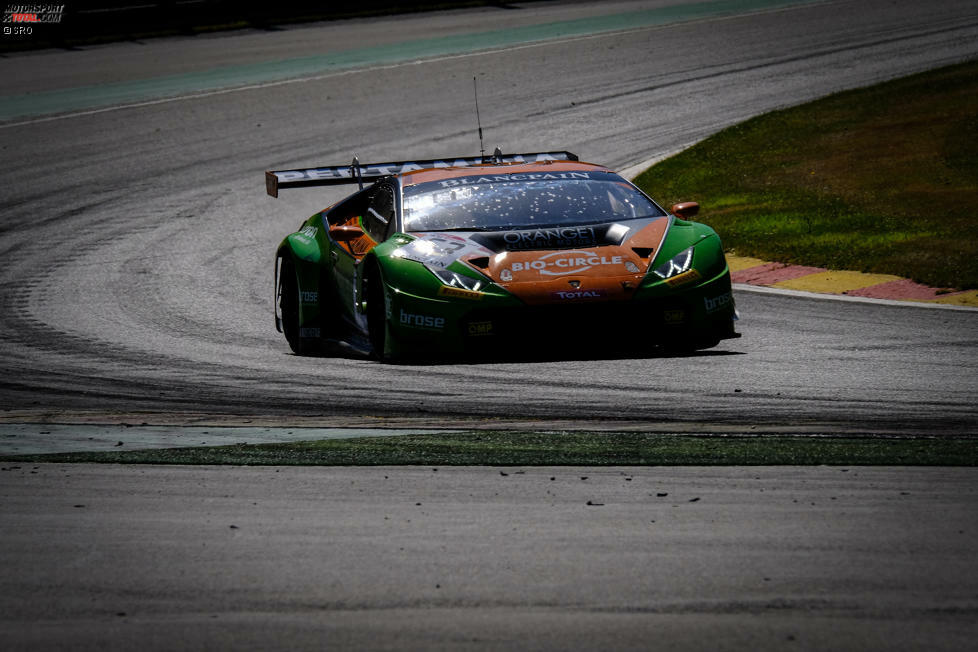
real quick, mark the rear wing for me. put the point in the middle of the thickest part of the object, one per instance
(358, 173)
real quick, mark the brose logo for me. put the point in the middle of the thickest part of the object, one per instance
(718, 303)
(426, 322)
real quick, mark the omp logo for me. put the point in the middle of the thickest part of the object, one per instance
(426, 322)
(561, 262)
(674, 316)
(480, 328)
(718, 303)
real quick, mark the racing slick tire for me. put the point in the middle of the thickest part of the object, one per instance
(289, 305)
(378, 331)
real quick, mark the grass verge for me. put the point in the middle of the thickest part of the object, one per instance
(882, 179)
(559, 449)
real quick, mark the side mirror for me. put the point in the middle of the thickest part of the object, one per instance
(345, 233)
(686, 209)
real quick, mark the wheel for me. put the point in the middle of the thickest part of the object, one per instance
(288, 301)
(377, 331)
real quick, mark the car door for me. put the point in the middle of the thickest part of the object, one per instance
(367, 219)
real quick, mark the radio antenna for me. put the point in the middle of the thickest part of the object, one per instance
(475, 88)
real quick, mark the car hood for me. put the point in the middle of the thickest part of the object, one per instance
(599, 262)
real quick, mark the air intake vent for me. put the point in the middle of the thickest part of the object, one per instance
(482, 262)
(643, 252)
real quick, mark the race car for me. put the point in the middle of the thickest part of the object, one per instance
(502, 254)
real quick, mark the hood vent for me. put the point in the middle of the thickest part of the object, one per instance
(643, 252)
(481, 262)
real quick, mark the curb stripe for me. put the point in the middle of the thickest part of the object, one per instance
(818, 280)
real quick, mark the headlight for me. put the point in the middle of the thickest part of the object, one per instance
(678, 264)
(453, 280)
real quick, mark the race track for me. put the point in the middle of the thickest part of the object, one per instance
(137, 241)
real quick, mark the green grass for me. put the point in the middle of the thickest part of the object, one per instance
(881, 179)
(561, 448)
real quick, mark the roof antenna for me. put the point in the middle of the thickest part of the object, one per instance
(355, 171)
(482, 149)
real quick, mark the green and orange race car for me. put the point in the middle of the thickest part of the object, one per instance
(482, 256)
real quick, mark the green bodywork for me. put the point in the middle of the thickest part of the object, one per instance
(418, 322)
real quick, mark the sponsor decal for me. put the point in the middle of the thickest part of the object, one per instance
(684, 278)
(307, 235)
(571, 295)
(424, 322)
(674, 316)
(560, 263)
(309, 297)
(555, 238)
(480, 328)
(718, 303)
(579, 236)
(308, 332)
(513, 178)
(459, 293)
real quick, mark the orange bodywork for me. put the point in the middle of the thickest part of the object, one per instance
(603, 273)
(596, 273)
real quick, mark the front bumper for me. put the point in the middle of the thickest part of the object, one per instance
(691, 318)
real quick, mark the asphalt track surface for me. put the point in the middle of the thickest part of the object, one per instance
(136, 279)
(821, 558)
(137, 243)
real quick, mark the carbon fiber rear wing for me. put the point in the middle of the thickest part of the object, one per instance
(358, 173)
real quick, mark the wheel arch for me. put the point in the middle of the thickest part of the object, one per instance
(300, 255)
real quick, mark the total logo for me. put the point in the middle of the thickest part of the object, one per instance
(562, 262)
(579, 294)
(426, 322)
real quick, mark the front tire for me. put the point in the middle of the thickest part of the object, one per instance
(377, 329)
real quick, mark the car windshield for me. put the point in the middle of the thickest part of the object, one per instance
(504, 201)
